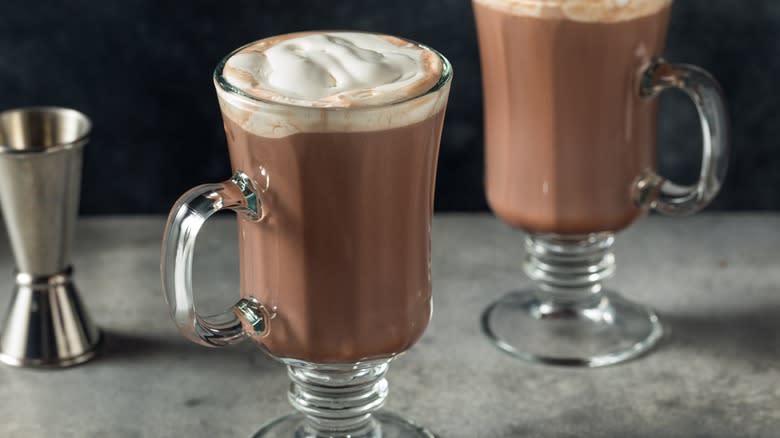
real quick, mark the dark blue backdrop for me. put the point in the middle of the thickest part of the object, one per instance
(142, 70)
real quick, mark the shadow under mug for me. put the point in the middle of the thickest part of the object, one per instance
(570, 144)
(334, 211)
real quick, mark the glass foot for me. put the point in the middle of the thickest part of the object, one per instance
(389, 425)
(606, 331)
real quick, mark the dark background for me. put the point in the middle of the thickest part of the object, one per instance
(141, 70)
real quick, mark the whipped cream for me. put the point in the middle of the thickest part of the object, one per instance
(336, 69)
(607, 11)
(330, 82)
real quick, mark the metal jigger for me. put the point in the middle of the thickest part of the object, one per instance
(40, 177)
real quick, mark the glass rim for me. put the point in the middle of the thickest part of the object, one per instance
(221, 82)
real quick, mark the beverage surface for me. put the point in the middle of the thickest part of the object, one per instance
(580, 10)
(331, 82)
(338, 69)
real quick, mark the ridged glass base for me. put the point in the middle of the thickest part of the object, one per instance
(387, 425)
(568, 318)
(339, 401)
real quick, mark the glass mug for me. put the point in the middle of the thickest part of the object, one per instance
(570, 142)
(334, 249)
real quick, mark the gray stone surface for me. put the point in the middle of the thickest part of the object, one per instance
(714, 278)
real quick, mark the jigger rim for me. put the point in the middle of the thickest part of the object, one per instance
(79, 141)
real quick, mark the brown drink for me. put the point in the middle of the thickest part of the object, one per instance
(566, 133)
(342, 255)
(333, 139)
(570, 132)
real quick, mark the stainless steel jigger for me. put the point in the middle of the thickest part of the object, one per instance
(40, 178)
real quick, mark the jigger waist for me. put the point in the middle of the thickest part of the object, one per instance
(43, 282)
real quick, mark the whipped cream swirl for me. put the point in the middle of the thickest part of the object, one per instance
(334, 69)
(316, 82)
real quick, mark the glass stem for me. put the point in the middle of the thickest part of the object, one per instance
(339, 402)
(569, 271)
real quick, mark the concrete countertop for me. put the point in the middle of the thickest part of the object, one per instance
(715, 279)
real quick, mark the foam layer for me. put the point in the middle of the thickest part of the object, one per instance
(606, 11)
(331, 82)
(338, 69)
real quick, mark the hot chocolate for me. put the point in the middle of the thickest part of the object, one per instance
(340, 131)
(570, 131)
(566, 133)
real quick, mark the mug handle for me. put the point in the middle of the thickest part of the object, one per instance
(661, 194)
(181, 231)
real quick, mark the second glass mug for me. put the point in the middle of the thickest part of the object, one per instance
(335, 244)
(570, 141)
